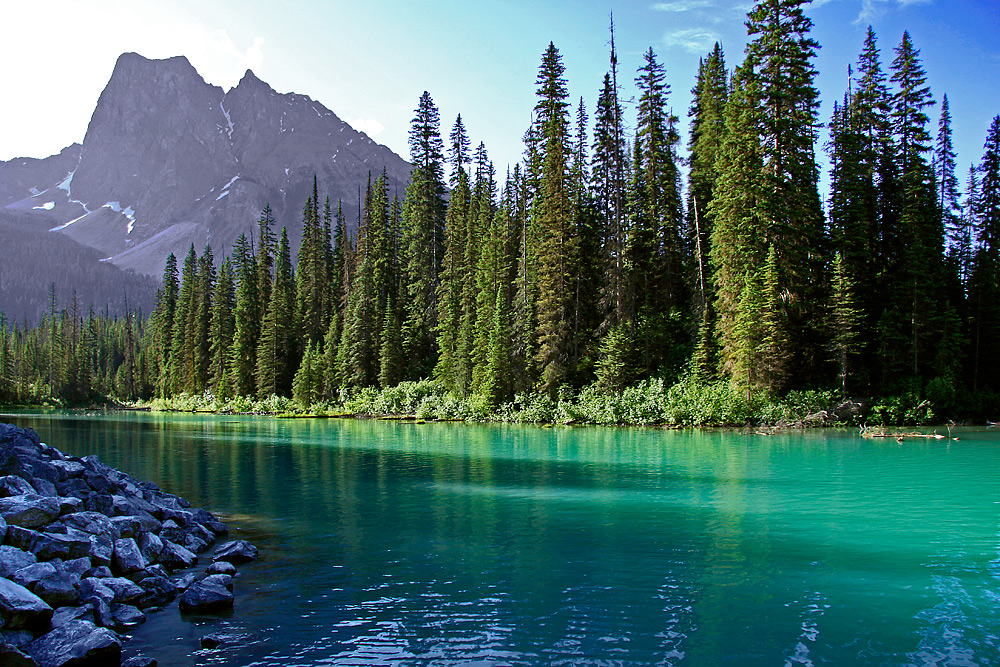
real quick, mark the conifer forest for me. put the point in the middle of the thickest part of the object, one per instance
(617, 257)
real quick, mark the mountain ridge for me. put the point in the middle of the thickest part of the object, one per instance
(169, 160)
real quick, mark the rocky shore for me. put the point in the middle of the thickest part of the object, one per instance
(87, 551)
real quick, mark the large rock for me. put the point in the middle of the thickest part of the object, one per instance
(221, 567)
(20, 608)
(30, 575)
(175, 557)
(151, 546)
(29, 510)
(207, 596)
(125, 616)
(94, 588)
(124, 590)
(157, 591)
(128, 557)
(13, 559)
(236, 552)
(76, 643)
(57, 589)
(46, 546)
(12, 485)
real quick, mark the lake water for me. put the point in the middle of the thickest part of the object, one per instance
(442, 544)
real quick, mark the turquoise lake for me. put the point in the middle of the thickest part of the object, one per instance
(444, 544)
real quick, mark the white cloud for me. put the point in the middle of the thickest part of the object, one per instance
(681, 5)
(692, 40)
(876, 9)
(369, 126)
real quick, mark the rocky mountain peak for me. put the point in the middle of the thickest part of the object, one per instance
(169, 160)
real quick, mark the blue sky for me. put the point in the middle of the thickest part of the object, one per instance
(369, 61)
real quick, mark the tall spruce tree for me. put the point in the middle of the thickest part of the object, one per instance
(247, 315)
(783, 52)
(223, 328)
(277, 356)
(423, 237)
(557, 244)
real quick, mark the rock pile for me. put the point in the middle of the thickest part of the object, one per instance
(87, 548)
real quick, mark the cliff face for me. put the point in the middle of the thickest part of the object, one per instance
(169, 160)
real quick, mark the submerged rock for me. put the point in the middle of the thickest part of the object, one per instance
(207, 596)
(236, 552)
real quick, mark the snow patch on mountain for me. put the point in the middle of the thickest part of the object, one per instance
(48, 206)
(229, 130)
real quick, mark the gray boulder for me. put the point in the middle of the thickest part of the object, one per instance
(236, 552)
(223, 580)
(13, 559)
(221, 567)
(206, 596)
(125, 616)
(12, 485)
(76, 643)
(29, 510)
(68, 468)
(140, 661)
(176, 557)
(127, 526)
(186, 581)
(77, 566)
(47, 546)
(57, 589)
(64, 615)
(30, 575)
(151, 546)
(20, 608)
(92, 587)
(123, 589)
(69, 505)
(128, 557)
(157, 591)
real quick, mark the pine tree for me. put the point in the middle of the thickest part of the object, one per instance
(608, 174)
(661, 298)
(920, 270)
(266, 244)
(310, 275)
(791, 205)
(458, 150)
(247, 317)
(423, 237)
(984, 282)
(277, 359)
(162, 325)
(308, 382)
(205, 290)
(707, 127)
(223, 330)
(450, 288)
(557, 245)
(182, 352)
(738, 245)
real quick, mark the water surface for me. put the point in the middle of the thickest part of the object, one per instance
(442, 544)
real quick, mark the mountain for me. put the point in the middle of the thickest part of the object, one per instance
(170, 160)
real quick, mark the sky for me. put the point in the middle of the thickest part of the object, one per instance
(369, 62)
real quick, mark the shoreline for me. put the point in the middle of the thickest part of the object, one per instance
(88, 551)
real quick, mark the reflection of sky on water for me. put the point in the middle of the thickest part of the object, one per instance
(404, 544)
